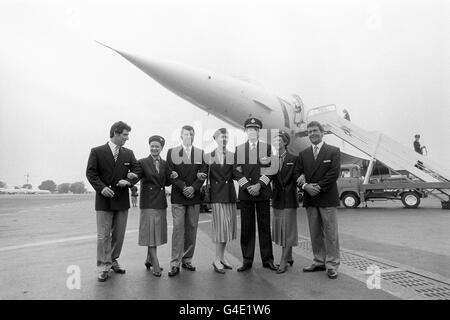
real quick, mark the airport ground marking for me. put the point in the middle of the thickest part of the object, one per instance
(63, 240)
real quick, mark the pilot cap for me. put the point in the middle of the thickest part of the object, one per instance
(253, 123)
(157, 138)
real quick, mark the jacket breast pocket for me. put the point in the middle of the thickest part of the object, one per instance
(326, 164)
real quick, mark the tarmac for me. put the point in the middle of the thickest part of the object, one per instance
(45, 240)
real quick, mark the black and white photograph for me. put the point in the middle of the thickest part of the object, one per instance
(225, 155)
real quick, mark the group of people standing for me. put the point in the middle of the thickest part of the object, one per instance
(262, 176)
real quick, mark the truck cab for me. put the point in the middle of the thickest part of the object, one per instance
(352, 190)
(349, 182)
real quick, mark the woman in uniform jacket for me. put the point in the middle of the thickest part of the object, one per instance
(284, 202)
(223, 198)
(154, 176)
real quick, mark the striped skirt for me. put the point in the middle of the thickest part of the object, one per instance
(153, 227)
(284, 227)
(224, 225)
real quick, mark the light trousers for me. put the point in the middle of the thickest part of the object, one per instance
(184, 233)
(323, 229)
(111, 226)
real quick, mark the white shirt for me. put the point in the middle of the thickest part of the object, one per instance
(255, 144)
(319, 146)
(188, 150)
(112, 146)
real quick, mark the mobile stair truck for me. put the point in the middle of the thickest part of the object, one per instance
(416, 176)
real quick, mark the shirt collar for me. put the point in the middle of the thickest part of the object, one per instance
(112, 146)
(185, 147)
(253, 143)
(319, 145)
(156, 158)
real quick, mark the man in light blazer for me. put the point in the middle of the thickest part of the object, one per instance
(318, 170)
(189, 169)
(107, 169)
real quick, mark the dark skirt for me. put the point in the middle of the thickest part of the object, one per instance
(153, 227)
(284, 227)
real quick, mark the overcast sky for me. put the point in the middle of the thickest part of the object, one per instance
(387, 62)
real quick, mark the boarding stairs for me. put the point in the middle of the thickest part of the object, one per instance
(382, 148)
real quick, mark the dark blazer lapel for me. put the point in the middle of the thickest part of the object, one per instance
(192, 158)
(120, 156)
(319, 159)
(159, 175)
(247, 152)
(212, 157)
(280, 173)
(308, 163)
(162, 171)
(109, 155)
(285, 168)
(152, 165)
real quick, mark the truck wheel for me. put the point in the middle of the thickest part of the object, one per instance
(350, 200)
(410, 199)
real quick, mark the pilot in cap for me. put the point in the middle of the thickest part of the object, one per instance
(285, 136)
(253, 123)
(157, 138)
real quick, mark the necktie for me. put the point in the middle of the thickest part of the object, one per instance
(188, 154)
(116, 153)
(316, 151)
(281, 164)
(157, 165)
(222, 158)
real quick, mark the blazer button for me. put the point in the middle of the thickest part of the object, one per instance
(162, 188)
(226, 181)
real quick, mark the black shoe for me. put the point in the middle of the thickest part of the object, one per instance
(226, 265)
(148, 264)
(188, 266)
(222, 271)
(118, 269)
(291, 262)
(270, 265)
(332, 274)
(314, 268)
(282, 270)
(157, 273)
(102, 276)
(174, 271)
(244, 267)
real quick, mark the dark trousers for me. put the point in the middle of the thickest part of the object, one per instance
(248, 230)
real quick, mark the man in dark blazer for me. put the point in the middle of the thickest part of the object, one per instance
(107, 170)
(254, 194)
(189, 167)
(318, 170)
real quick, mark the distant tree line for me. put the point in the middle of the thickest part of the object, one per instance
(50, 185)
